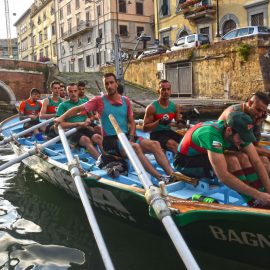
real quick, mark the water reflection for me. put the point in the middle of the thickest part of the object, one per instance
(23, 226)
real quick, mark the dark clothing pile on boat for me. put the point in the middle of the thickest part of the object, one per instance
(113, 165)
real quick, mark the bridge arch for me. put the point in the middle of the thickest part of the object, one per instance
(6, 94)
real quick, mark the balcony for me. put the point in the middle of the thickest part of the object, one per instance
(82, 28)
(196, 10)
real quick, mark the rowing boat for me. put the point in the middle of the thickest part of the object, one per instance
(228, 228)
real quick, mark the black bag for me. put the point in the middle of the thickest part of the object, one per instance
(114, 165)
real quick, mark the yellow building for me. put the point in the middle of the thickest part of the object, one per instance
(24, 35)
(176, 18)
(43, 30)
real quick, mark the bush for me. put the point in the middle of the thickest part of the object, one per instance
(244, 52)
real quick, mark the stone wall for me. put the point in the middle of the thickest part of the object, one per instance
(218, 69)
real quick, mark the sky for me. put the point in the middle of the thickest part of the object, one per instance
(15, 6)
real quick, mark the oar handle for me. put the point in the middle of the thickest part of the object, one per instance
(15, 124)
(75, 173)
(155, 199)
(115, 124)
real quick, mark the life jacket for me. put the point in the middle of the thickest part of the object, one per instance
(170, 111)
(31, 110)
(120, 112)
(187, 142)
(52, 106)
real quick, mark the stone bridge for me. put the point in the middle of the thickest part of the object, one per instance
(17, 78)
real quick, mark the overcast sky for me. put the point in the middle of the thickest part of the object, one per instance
(17, 7)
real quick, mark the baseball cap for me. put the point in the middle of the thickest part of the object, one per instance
(242, 124)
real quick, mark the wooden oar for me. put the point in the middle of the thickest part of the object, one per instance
(26, 131)
(154, 198)
(75, 173)
(36, 149)
(15, 124)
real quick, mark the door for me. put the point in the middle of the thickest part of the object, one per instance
(180, 77)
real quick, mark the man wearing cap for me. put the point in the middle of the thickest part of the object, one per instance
(201, 153)
(256, 108)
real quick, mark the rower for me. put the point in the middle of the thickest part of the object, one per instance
(256, 108)
(202, 154)
(30, 108)
(158, 119)
(49, 107)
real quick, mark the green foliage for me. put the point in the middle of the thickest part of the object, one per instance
(244, 51)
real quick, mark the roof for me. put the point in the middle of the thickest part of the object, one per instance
(23, 16)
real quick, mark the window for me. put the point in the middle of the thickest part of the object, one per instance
(34, 41)
(122, 6)
(41, 53)
(140, 30)
(69, 26)
(123, 30)
(52, 10)
(180, 41)
(205, 30)
(100, 33)
(164, 8)
(77, 4)
(53, 29)
(62, 29)
(87, 16)
(257, 19)
(45, 36)
(47, 51)
(39, 37)
(44, 16)
(79, 42)
(139, 8)
(166, 41)
(54, 49)
(68, 9)
(243, 32)
(191, 39)
(228, 26)
(89, 38)
(61, 14)
(88, 60)
(39, 20)
(98, 58)
(78, 19)
(98, 11)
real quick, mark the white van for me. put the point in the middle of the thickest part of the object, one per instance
(190, 41)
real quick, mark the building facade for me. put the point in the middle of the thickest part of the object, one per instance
(9, 48)
(174, 19)
(87, 30)
(36, 30)
(24, 35)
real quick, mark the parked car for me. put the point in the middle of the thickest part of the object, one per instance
(190, 41)
(152, 51)
(246, 31)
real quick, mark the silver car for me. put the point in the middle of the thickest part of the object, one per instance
(247, 31)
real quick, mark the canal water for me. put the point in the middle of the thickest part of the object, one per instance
(41, 227)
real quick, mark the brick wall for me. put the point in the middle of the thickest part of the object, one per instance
(21, 76)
